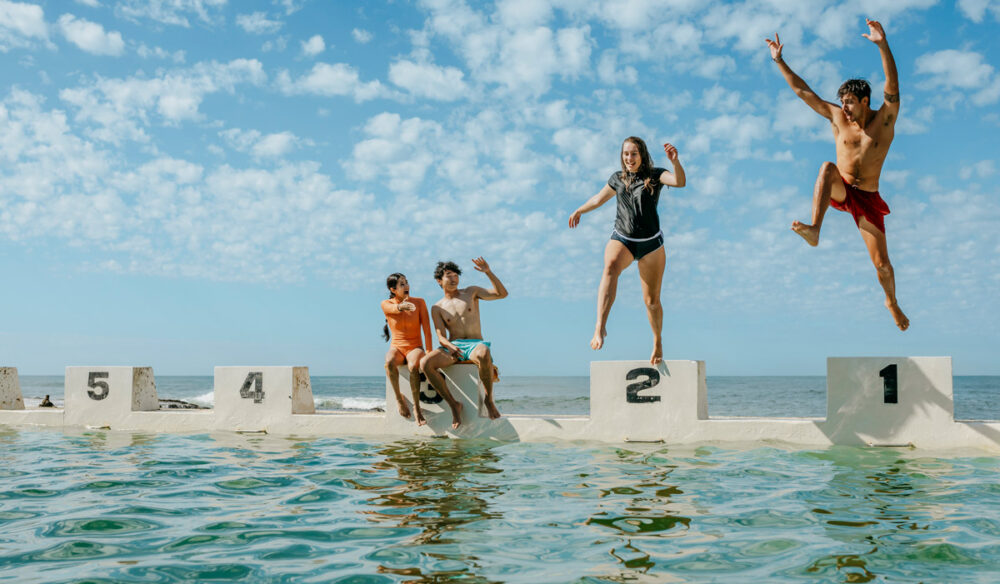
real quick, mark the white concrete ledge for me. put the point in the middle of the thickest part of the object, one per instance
(871, 401)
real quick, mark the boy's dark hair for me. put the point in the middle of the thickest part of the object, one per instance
(857, 87)
(449, 266)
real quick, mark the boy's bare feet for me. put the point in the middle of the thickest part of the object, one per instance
(808, 232)
(897, 315)
(657, 355)
(456, 415)
(598, 341)
(491, 409)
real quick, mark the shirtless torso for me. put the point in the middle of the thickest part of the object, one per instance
(861, 150)
(459, 315)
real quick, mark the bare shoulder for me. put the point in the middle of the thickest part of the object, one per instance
(471, 293)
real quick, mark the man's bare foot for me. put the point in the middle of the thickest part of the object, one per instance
(420, 419)
(897, 315)
(404, 408)
(808, 232)
(456, 416)
(657, 355)
(598, 341)
(491, 409)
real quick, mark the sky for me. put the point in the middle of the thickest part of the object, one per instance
(193, 183)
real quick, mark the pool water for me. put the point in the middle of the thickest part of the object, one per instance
(95, 506)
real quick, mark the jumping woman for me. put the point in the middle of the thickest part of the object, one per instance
(404, 317)
(636, 235)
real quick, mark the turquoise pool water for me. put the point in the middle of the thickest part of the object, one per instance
(92, 506)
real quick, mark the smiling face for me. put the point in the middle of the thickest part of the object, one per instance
(449, 281)
(631, 157)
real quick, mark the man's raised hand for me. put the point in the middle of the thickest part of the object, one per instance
(481, 264)
(775, 47)
(876, 33)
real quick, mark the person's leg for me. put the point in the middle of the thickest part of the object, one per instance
(879, 252)
(829, 185)
(482, 357)
(413, 365)
(651, 268)
(392, 362)
(617, 257)
(431, 365)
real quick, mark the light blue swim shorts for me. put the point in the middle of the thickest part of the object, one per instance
(465, 346)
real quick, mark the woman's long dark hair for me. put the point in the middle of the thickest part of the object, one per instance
(390, 283)
(645, 171)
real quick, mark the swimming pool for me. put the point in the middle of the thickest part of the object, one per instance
(101, 506)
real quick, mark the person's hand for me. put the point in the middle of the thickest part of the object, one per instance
(481, 264)
(455, 353)
(670, 151)
(775, 47)
(574, 219)
(406, 306)
(876, 33)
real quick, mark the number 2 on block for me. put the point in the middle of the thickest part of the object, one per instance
(632, 390)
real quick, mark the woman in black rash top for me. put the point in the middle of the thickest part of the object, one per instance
(636, 235)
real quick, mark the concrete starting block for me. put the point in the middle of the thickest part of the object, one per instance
(874, 401)
(10, 389)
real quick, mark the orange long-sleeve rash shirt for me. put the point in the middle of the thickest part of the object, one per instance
(405, 326)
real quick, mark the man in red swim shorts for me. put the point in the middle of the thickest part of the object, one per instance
(862, 137)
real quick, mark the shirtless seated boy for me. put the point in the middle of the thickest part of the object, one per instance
(459, 332)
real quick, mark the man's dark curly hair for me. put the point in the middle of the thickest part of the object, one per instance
(442, 266)
(857, 87)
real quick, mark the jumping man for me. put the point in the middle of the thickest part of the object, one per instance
(862, 137)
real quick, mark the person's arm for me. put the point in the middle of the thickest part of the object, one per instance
(676, 178)
(876, 34)
(805, 93)
(592, 203)
(425, 323)
(442, 330)
(497, 292)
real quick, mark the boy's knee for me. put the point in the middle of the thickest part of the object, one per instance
(829, 169)
(652, 303)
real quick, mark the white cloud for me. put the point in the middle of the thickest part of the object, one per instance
(90, 3)
(951, 68)
(120, 108)
(611, 72)
(21, 24)
(313, 46)
(428, 80)
(982, 169)
(975, 10)
(258, 23)
(331, 80)
(159, 53)
(261, 146)
(90, 36)
(361, 36)
(173, 12)
(739, 132)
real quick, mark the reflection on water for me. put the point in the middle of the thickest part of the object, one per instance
(440, 492)
(231, 508)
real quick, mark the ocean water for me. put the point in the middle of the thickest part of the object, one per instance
(976, 397)
(97, 506)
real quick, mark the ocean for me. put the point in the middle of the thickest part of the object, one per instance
(96, 506)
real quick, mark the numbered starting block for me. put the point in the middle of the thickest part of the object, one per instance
(261, 399)
(105, 396)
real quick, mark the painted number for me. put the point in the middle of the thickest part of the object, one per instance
(890, 384)
(93, 382)
(632, 390)
(255, 380)
(428, 395)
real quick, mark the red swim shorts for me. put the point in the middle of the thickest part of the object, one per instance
(865, 204)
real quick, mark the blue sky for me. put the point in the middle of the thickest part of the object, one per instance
(191, 183)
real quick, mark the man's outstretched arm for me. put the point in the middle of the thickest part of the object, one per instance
(498, 291)
(805, 93)
(876, 34)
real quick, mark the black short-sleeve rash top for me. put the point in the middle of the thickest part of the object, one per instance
(637, 217)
